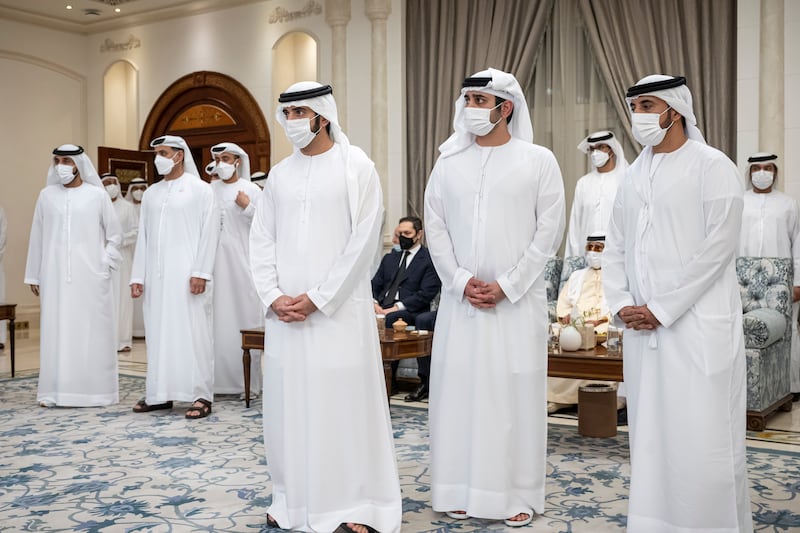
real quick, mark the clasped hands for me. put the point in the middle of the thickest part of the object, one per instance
(638, 317)
(483, 295)
(295, 309)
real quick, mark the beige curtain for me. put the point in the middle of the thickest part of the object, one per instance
(568, 97)
(446, 41)
(692, 38)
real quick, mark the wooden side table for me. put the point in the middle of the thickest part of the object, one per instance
(252, 339)
(9, 312)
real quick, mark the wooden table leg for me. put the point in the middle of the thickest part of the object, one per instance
(387, 374)
(246, 365)
(11, 343)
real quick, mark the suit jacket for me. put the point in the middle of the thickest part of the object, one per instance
(419, 286)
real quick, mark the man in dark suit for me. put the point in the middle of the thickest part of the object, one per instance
(404, 287)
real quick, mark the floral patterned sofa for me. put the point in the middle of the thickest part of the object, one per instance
(765, 285)
(552, 281)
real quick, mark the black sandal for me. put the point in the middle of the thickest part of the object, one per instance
(143, 407)
(202, 410)
(347, 529)
(272, 523)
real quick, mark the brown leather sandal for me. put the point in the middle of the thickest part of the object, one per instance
(143, 407)
(202, 410)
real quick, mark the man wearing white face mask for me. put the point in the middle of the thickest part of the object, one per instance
(595, 192)
(669, 275)
(494, 208)
(771, 228)
(314, 241)
(73, 249)
(129, 224)
(236, 303)
(172, 267)
(581, 296)
(136, 189)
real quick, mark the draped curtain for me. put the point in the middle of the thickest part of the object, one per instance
(446, 41)
(691, 38)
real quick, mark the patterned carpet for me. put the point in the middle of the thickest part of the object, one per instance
(109, 470)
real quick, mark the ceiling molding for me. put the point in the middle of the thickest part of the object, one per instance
(189, 8)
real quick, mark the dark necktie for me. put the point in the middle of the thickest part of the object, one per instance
(391, 292)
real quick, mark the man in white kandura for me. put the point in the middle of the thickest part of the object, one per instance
(129, 225)
(3, 241)
(74, 246)
(314, 242)
(595, 192)
(669, 275)
(494, 207)
(136, 189)
(771, 228)
(236, 302)
(581, 298)
(172, 266)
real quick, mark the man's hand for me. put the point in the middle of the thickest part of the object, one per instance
(638, 317)
(483, 295)
(285, 307)
(35, 290)
(302, 305)
(197, 285)
(242, 200)
(378, 308)
(137, 289)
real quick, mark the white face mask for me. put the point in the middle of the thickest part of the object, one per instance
(225, 170)
(477, 120)
(397, 247)
(112, 190)
(298, 131)
(647, 129)
(593, 259)
(762, 179)
(66, 173)
(137, 194)
(164, 165)
(599, 158)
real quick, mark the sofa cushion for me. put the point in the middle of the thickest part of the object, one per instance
(762, 327)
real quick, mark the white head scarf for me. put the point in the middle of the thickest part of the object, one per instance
(302, 94)
(605, 137)
(258, 178)
(678, 98)
(129, 192)
(210, 168)
(503, 85)
(177, 142)
(244, 160)
(760, 158)
(85, 167)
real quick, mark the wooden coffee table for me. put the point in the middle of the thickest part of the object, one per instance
(595, 363)
(393, 348)
(9, 312)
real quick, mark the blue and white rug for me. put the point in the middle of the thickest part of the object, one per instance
(110, 470)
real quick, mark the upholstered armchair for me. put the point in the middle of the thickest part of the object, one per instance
(552, 281)
(765, 285)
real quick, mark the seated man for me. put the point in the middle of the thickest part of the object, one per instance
(404, 286)
(581, 297)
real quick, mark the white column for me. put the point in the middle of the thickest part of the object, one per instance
(337, 15)
(771, 82)
(377, 12)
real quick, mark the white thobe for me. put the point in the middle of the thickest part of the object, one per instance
(327, 430)
(3, 241)
(178, 233)
(73, 248)
(493, 214)
(671, 245)
(129, 224)
(236, 303)
(591, 208)
(771, 228)
(138, 315)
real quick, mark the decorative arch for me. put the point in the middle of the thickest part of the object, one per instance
(207, 108)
